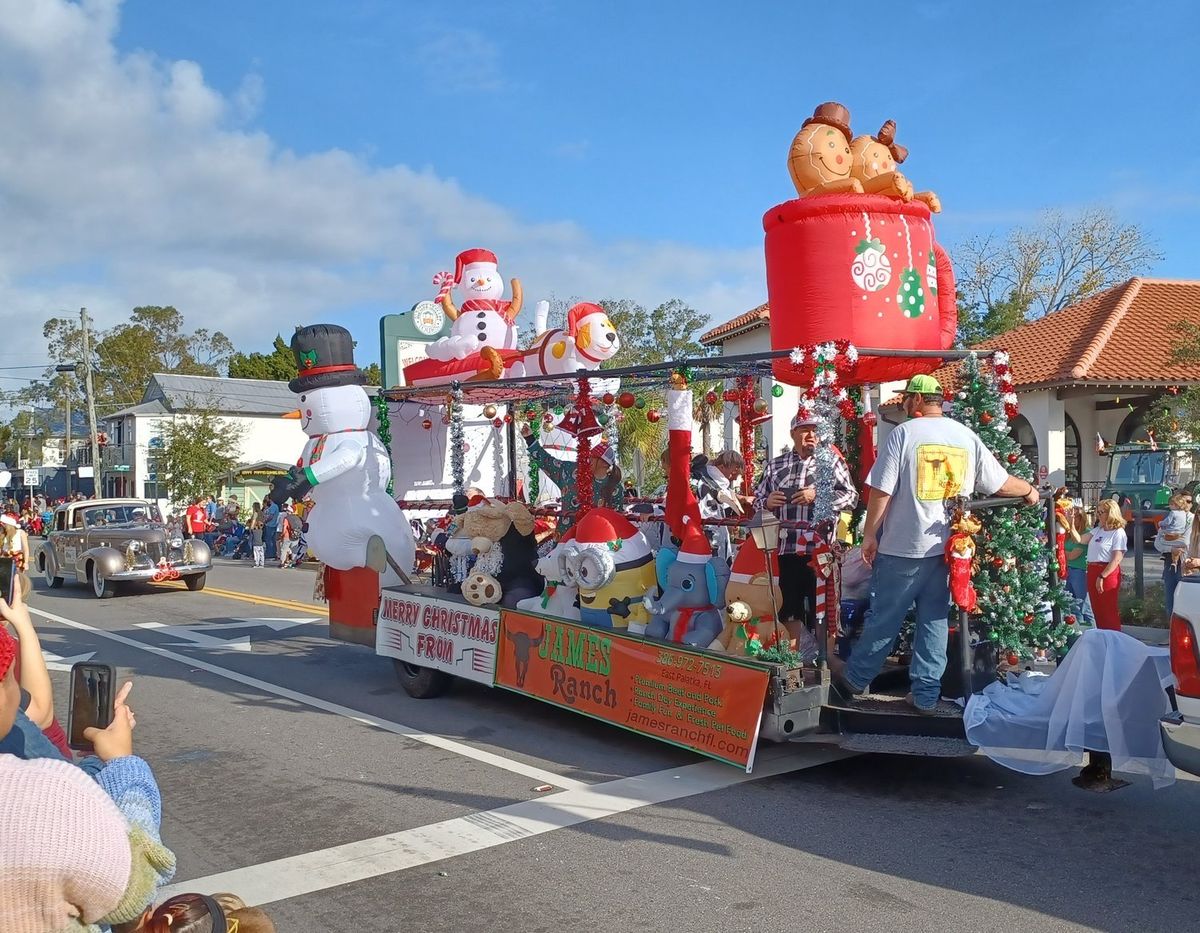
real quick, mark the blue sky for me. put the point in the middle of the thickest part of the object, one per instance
(267, 164)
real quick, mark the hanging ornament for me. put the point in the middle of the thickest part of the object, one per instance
(548, 418)
(497, 423)
(508, 419)
(640, 403)
(427, 424)
(731, 395)
(931, 275)
(710, 398)
(871, 268)
(652, 416)
(1013, 458)
(985, 417)
(558, 409)
(1013, 659)
(777, 390)
(910, 297)
(760, 406)
(607, 398)
(1070, 620)
(626, 400)
(489, 411)
(445, 419)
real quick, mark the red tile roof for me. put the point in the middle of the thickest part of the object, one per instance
(754, 318)
(1123, 336)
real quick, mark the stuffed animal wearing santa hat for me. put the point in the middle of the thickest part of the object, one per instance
(589, 340)
(484, 320)
(960, 556)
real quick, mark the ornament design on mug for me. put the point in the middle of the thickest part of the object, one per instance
(911, 294)
(871, 268)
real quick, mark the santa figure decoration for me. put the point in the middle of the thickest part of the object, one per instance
(484, 324)
(960, 556)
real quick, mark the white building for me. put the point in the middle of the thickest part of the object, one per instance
(268, 442)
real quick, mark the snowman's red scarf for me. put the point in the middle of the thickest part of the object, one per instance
(320, 446)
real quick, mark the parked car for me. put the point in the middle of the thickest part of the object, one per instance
(106, 542)
(1181, 729)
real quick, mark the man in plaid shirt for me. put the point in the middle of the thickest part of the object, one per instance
(788, 488)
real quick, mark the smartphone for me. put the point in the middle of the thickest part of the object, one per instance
(93, 694)
(8, 579)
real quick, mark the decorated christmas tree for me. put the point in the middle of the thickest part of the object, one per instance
(1016, 596)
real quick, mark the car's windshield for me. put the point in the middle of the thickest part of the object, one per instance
(117, 515)
(1138, 468)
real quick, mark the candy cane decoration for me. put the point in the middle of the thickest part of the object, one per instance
(444, 281)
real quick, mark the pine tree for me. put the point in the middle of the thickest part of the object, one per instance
(1012, 580)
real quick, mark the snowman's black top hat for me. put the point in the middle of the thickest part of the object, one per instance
(324, 357)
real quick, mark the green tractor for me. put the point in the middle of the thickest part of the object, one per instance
(1139, 474)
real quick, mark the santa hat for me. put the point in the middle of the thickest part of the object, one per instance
(579, 313)
(9, 519)
(470, 257)
(749, 561)
(613, 532)
(682, 509)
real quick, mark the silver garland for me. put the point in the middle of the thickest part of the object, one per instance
(457, 440)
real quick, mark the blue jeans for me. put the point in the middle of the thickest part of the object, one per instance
(1077, 587)
(1170, 581)
(896, 584)
(269, 533)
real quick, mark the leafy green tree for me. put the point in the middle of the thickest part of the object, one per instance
(198, 451)
(279, 364)
(976, 322)
(374, 374)
(1173, 418)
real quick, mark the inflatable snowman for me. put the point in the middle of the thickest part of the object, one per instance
(484, 319)
(344, 468)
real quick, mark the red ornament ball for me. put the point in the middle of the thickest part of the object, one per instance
(731, 395)
(427, 424)
(652, 416)
(508, 419)
(1070, 620)
(497, 423)
(710, 398)
(608, 398)
(626, 400)
(986, 418)
(997, 561)
(1029, 618)
(1013, 658)
(1013, 458)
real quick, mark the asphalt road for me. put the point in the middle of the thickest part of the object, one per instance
(295, 771)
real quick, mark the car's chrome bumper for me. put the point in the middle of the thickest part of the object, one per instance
(156, 574)
(1181, 742)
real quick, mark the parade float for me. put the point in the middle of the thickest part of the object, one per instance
(677, 645)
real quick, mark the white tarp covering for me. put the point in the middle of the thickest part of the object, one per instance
(1107, 695)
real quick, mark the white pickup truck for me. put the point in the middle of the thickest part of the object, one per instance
(1181, 729)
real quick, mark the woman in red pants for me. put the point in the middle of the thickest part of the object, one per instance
(1107, 544)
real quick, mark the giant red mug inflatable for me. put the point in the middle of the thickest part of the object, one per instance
(863, 268)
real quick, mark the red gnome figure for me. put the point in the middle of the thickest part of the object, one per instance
(960, 556)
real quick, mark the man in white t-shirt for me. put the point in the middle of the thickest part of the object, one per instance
(924, 462)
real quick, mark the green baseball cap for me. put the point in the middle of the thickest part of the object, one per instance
(923, 385)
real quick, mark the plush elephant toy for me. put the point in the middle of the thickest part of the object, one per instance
(691, 609)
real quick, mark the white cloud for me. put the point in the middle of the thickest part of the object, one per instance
(127, 179)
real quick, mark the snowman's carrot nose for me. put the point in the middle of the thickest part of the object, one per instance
(295, 415)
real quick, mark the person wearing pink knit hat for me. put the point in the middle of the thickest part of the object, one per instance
(64, 848)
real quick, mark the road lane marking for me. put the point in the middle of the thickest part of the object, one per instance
(56, 662)
(197, 639)
(299, 875)
(277, 602)
(437, 741)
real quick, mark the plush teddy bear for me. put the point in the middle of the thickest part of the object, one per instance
(960, 556)
(501, 535)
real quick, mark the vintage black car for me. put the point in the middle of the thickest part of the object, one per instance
(106, 542)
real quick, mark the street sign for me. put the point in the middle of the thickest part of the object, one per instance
(404, 337)
(31, 477)
(120, 468)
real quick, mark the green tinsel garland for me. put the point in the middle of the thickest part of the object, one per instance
(385, 429)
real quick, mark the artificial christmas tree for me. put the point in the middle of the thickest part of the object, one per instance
(1013, 583)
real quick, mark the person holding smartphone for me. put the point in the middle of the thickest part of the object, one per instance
(788, 488)
(14, 543)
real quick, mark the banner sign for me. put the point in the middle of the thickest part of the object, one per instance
(457, 638)
(700, 701)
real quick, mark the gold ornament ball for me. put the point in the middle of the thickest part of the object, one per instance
(760, 406)
(489, 411)
(677, 381)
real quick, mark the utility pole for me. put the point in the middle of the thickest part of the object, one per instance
(67, 454)
(91, 401)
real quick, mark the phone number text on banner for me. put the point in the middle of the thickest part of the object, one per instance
(457, 638)
(709, 704)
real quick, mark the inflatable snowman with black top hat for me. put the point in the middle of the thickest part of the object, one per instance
(344, 468)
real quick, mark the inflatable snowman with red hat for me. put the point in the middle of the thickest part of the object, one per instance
(344, 467)
(484, 319)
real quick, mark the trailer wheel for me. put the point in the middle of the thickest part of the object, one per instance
(422, 683)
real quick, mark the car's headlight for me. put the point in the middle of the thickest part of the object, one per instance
(177, 542)
(1146, 503)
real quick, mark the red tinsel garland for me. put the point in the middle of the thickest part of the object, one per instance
(745, 399)
(585, 482)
